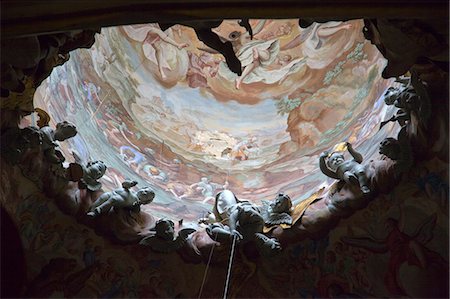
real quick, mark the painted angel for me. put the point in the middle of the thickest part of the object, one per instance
(406, 251)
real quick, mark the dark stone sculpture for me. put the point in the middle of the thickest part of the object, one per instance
(122, 198)
(398, 150)
(278, 211)
(27, 61)
(244, 224)
(411, 99)
(164, 238)
(405, 42)
(352, 171)
(64, 130)
(15, 142)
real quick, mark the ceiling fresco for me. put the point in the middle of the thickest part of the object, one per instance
(162, 108)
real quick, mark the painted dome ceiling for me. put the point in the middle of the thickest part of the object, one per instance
(165, 110)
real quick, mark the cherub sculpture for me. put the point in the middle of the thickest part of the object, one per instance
(64, 130)
(352, 171)
(122, 198)
(15, 142)
(164, 238)
(278, 211)
(398, 150)
(413, 97)
(245, 223)
(92, 172)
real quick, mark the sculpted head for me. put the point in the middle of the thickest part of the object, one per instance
(65, 130)
(334, 160)
(165, 229)
(224, 200)
(145, 195)
(390, 148)
(281, 204)
(95, 169)
(391, 95)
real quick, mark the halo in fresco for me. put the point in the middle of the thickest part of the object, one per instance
(164, 109)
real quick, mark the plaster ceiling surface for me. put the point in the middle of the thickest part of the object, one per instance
(165, 110)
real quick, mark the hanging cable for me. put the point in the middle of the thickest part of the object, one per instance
(229, 268)
(207, 266)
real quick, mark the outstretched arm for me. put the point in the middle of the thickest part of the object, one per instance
(166, 38)
(357, 156)
(127, 184)
(259, 27)
(232, 223)
(325, 170)
(327, 31)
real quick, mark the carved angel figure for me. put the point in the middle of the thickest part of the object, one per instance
(398, 150)
(122, 198)
(352, 171)
(64, 130)
(244, 222)
(413, 97)
(278, 211)
(164, 238)
(92, 172)
(15, 142)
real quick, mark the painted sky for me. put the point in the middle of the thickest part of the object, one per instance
(163, 109)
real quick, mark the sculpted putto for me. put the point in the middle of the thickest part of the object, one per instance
(92, 172)
(351, 171)
(398, 150)
(122, 198)
(411, 98)
(164, 238)
(64, 130)
(278, 211)
(15, 142)
(244, 222)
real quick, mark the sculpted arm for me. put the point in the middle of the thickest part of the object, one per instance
(357, 156)
(327, 31)
(232, 223)
(163, 36)
(259, 27)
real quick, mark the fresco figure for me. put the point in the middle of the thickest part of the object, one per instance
(154, 45)
(321, 43)
(132, 156)
(122, 198)
(241, 150)
(256, 56)
(352, 171)
(407, 251)
(207, 188)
